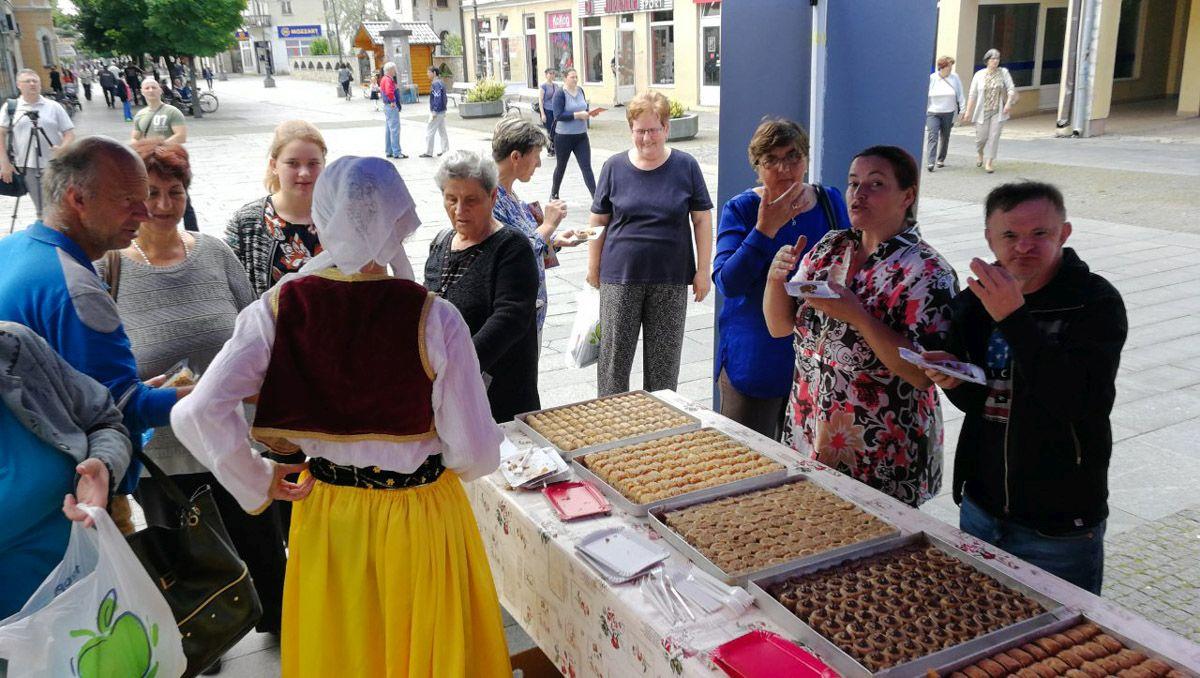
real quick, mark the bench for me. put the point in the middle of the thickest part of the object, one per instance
(518, 97)
(458, 92)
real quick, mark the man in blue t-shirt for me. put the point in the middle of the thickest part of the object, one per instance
(548, 90)
(437, 114)
(96, 193)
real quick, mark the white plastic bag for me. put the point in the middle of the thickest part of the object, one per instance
(583, 346)
(98, 615)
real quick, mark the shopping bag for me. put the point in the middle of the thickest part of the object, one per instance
(98, 615)
(583, 346)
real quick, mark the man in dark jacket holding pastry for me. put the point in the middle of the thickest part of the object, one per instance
(1031, 471)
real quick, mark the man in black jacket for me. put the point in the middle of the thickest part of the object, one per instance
(1031, 471)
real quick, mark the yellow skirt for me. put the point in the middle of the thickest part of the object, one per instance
(390, 583)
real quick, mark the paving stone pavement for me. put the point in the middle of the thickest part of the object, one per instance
(1154, 529)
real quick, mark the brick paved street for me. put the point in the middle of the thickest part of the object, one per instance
(1154, 530)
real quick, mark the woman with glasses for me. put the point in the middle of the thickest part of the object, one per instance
(856, 406)
(652, 205)
(754, 369)
(988, 107)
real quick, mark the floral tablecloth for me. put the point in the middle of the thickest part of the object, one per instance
(590, 628)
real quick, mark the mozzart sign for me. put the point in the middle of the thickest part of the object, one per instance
(602, 7)
(299, 31)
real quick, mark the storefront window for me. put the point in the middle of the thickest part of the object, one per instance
(1052, 45)
(558, 36)
(662, 48)
(505, 60)
(1013, 30)
(593, 56)
(1127, 39)
(298, 48)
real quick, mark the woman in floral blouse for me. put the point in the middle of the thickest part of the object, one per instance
(856, 405)
(274, 235)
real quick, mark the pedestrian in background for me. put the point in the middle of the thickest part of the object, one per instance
(86, 77)
(207, 74)
(856, 406)
(437, 114)
(391, 111)
(108, 85)
(30, 154)
(274, 235)
(489, 273)
(387, 574)
(56, 80)
(179, 295)
(572, 116)
(546, 100)
(753, 369)
(988, 107)
(653, 206)
(125, 93)
(946, 101)
(344, 79)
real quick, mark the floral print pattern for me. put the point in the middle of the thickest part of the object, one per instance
(847, 409)
(294, 244)
(516, 213)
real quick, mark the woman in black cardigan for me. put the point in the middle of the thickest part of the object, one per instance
(489, 273)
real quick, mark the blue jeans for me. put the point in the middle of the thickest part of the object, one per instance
(391, 130)
(1077, 557)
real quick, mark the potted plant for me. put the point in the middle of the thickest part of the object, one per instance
(485, 100)
(684, 125)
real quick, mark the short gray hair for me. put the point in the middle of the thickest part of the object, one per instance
(515, 133)
(391, 65)
(991, 54)
(30, 71)
(467, 165)
(77, 165)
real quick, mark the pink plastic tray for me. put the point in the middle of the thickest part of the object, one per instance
(762, 654)
(576, 499)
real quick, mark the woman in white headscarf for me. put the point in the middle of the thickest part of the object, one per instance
(377, 381)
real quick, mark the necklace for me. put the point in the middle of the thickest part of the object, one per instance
(186, 250)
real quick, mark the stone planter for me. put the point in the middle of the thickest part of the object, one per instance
(686, 127)
(481, 109)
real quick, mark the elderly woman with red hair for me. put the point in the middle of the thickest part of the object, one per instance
(179, 294)
(653, 205)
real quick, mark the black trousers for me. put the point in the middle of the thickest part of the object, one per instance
(109, 98)
(257, 539)
(550, 129)
(87, 90)
(564, 146)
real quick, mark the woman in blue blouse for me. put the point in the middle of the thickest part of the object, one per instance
(754, 370)
(572, 114)
(517, 149)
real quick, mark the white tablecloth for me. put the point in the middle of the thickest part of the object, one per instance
(589, 628)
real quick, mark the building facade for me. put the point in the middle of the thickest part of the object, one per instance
(36, 44)
(275, 32)
(10, 50)
(441, 15)
(619, 47)
(1145, 49)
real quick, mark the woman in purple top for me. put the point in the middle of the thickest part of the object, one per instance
(651, 203)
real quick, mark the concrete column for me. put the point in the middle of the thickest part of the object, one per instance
(956, 35)
(1106, 60)
(1189, 88)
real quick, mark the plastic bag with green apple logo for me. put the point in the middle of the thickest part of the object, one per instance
(98, 615)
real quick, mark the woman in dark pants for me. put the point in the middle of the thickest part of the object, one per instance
(570, 132)
(490, 274)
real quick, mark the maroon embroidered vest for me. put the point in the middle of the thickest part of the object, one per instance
(348, 362)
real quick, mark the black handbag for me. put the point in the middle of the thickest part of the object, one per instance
(199, 573)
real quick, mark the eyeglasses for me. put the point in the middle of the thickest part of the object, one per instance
(773, 163)
(648, 132)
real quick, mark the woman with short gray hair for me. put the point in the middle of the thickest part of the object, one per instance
(490, 274)
(517, 146)
(988, 107)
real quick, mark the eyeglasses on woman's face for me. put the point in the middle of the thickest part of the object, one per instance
(647, 131)
(775, 162)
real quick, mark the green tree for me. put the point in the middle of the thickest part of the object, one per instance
(319, 47)
(115, 27)
(192, 28)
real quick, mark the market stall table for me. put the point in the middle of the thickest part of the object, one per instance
(590, 628)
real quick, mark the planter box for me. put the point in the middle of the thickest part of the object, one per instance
(684, 128)
(481, 109)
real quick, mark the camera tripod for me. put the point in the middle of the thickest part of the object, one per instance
(36, 134)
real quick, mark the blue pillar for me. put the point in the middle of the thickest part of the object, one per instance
(872, 74)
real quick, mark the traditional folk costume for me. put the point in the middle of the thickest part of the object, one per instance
(377, 381)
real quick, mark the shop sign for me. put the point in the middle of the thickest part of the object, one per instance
(242, 35)
(558, 21)
(591, 8)
(299, 31)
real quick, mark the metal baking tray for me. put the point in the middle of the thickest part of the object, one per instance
(696, 556)
(1070, 621)
(540, 440)
(848, 667)
(627, 505)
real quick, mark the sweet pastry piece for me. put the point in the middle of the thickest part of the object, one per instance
(1083, 651)
(778, 524)
(910, 602)
(604, 420)
(674, 465)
